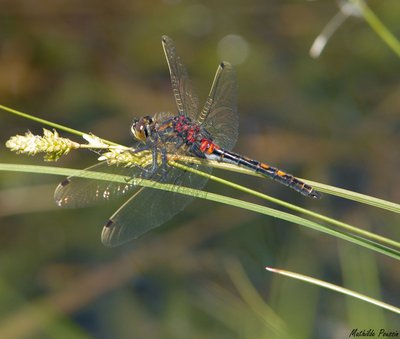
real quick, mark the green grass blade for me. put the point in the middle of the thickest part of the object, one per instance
(344, 226)
(48, 123)
(250, 295)
(41, 121)
(365, 199)
(377, 25)
(335, 288)
(208, 196)
(359, 197)
(332, 190)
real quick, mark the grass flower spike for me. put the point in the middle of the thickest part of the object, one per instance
(50, 143)
(121, 156)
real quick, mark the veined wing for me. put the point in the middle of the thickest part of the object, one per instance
(185, 99)
(79, 191)
(219, 115)
(148, 208)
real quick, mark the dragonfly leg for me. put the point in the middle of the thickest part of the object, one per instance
(149, 169)
(164, 161)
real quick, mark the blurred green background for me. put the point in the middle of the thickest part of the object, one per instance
(94, 66)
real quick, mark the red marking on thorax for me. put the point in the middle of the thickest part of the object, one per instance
(180, 126)
(191, 135)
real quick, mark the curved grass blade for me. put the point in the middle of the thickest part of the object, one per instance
(335, 288)
(332, 190)
(212, 197)
(344, 226)
(377, 25)
(48, 123)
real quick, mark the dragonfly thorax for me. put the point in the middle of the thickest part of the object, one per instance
(142, 128)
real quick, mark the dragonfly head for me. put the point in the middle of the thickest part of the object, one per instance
(142, 128)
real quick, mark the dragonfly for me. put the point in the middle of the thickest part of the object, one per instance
(209, 133)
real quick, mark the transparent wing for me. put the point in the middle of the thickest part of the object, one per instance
(185, 99)
(148, 208)
(79, 192)
(219, 115)
(145, 209)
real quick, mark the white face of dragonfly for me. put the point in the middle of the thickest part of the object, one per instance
(142, 128)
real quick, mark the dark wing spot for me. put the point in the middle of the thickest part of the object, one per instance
(65, 182)
(109, 223)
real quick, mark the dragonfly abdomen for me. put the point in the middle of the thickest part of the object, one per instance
(264, 169)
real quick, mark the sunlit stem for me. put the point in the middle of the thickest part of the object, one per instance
(343, 226)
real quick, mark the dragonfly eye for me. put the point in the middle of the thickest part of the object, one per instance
(148, 119)
(141, 129)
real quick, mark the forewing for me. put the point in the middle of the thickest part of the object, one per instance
(219, 115)
(185, 99)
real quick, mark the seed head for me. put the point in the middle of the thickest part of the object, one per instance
(50, 143)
